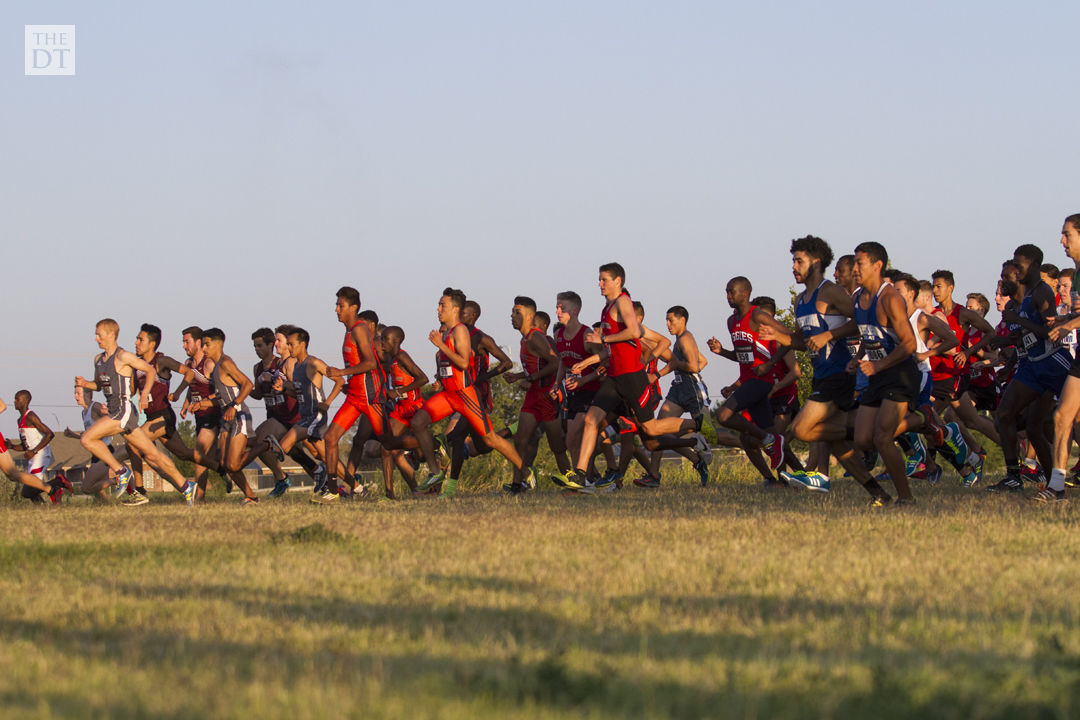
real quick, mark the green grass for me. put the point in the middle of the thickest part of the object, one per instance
(726, 601)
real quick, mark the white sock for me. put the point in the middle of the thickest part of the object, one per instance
(1057, 479)
(973, 459)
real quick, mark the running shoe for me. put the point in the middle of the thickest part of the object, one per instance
(135, 500)
(189, 492)
(954, 441)
(123, 479)
(530, 479)
(516, 488)
(432, 480)
(1049, 497)
(1072, 480)
(275, 447)
(647, 481)
(917, 456)
(1033, 475)
(605, 482)
(440, 450)
(325, 497)
(280, 488)
(449, 488)
(571, 480)
(1009, 483)
(970, 479)
(934, 477)
(775, 449)
(702, 469)
(701, 447)
(813, 481)
(977, 466)
(320, 477)
(248, 502)
(880, 501)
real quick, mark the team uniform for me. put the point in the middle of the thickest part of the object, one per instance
(279, 405)
(980, 381)
(899, 383)
(365, 393)
(1045, 364)
(458, 393)
(626, 388)
(943, 371)
(831, 381)
(226, 396)
(537, 402)
(200, 388)
(308, 397)
(925, 366)
(687, 389)
(117, 391)
(785, 402)
(158, 406)
(406, 405)
(571, 351)
(752, 394)
(30, 437)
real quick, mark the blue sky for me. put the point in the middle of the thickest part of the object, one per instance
(233, 164)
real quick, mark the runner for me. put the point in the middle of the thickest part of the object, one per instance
(231, 389)
(34, 482)
(200, 402)
(34, 441)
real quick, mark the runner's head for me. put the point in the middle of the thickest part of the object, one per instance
(542, 321)
(908, 287)
(470, 313)
(106, 331)
(392, 338)
(1006, 289)
(213, 340)
(148, 339)
(639, 310)
(347, 305)
(891, 274)
(370, 318)
(1065, 282)
(1010, 271)
(766, 303)
(738, 292)
(567, 305)
(281, 340)
(192, 340)
(22, 400)
(612, 280)
(523, 311)
(978, 303)
(1049, 273)
(1028, 259)
(676, 318)
(1070, 237)
(806, 254)
(943, 285)
(871, 259)
(263, 341)
(451, 303)
(925, 299)
(844, 274)
(297, 341)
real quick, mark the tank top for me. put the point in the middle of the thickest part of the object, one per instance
(226, 394)
(877, 340)
(682, 375)
(401, 378)
(200, 388)
(452, 377)
(531, 363)
(943, 367)
(308, 394)
(779, 372)
(29, 434)
(834, 357)
(920, 344)
(159, 392)
(279, 405)
(626, 355)
(749, 348)
(571, 351)
(1036, 348)
(115, 387)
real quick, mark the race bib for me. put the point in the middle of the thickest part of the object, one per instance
(876, 354)
(746, 357)
(445, 371)
(1029, 340)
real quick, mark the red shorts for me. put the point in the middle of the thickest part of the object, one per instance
(539, 404)
(3, 445)
(405, 409)
(446, 403)
(354, 407)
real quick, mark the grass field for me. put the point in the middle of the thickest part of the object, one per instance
(727, 601)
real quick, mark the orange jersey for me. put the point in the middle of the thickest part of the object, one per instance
(402, 378)
(451, 377)
(367, 386)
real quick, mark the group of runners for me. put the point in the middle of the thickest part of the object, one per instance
(901, 373)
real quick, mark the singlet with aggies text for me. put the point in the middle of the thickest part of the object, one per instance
(834, 357)
(750, 350)
(625, 355)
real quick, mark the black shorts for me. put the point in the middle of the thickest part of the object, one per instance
(838, 388)
(1074, 369)
(168, 415)
(946, 389)
(785, 405)
(628, 393)
(753, 397)
(578, 401)
(689, 392)
(985, 398)
(900, 383)
(209, 420)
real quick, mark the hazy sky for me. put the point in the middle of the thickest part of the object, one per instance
(234, 163)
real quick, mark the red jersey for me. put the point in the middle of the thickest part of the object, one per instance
(943, 367)
(531, 364)
(279, 406)
(367, 386)
(452, 377)
(779, 372)
(749, 348)
(199, 388)
(401, 378)
(625, 355)
(572, 351)
(159, 393)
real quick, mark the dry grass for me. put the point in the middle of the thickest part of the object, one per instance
(688, 602)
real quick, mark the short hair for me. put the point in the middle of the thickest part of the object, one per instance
(214, 334)
(1066, 273)
(1008, 288)
(945, 275)
(891, 274)
(265, 333)
(741, 281)
(472, 304)
(24, 393)
(875, 251)
(980, 299)
(457, 297)
(368, 316)
(194, 331)
(109, 325)
(1074, 220)
(639, 308)
(153, 332)
(300, 333)
(845, 260)
(394, 331)
(1051, 270)
(571, 297)
(542, 318)
(909, 282)
(284, 329)
(615, 270)
(925, 286)
(1032, 252)
(765, 302)
(349, 295)
(815, 247)
(679, 311)
(526, 302)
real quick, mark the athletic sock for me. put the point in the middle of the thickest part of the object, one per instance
(1057, 479)
(1031, 463)
(1012, 469)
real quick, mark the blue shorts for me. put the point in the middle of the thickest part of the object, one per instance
(1044, 375)
(925, 390)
